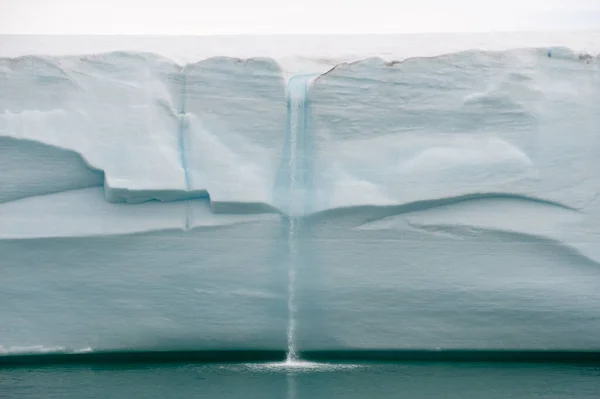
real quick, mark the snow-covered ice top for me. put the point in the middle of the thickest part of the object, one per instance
(298, 54)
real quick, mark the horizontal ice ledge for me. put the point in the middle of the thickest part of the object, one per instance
(38, 169)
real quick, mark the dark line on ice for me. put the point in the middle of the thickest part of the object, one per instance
(341, 356)
(188, 215)
(142, 357)
(423, 205)
(457, 356)
(513, 237)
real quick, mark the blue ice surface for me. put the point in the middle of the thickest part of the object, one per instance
(441, 203)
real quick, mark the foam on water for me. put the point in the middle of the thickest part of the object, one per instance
(297, 366)
(40, 349)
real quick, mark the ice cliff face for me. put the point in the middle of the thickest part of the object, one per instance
(445, 202)
(156, 130)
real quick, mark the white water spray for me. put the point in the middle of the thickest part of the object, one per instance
(292, 355)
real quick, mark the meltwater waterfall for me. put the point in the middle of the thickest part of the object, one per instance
(296, 199)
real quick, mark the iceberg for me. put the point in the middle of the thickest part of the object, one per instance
(444, 202)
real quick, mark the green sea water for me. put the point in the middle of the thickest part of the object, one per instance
(303, 380)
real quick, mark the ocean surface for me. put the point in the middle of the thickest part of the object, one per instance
(303, 380)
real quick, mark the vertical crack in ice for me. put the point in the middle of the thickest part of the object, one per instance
(182, 148)
(181, 131)
(188, 215)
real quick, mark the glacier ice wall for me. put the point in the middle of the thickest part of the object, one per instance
(456, 204)
(444, 202)
(96, 283)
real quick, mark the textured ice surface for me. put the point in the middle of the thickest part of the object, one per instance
(118, 110)
(157, 130)
(444, 202)
(490, 273)
(466, 123)
(84, 283)
(235, 119)
(31, 168)
(458, 201)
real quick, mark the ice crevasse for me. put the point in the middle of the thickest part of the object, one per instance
(446, 202)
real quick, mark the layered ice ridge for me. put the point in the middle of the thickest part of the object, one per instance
(388, 133)
(494, 272)
(76, 286)
(158, 131)
(465, 122)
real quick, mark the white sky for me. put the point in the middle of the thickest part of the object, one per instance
(199, 17)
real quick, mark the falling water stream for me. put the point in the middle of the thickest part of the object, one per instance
(296, 204)
(292, 354)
